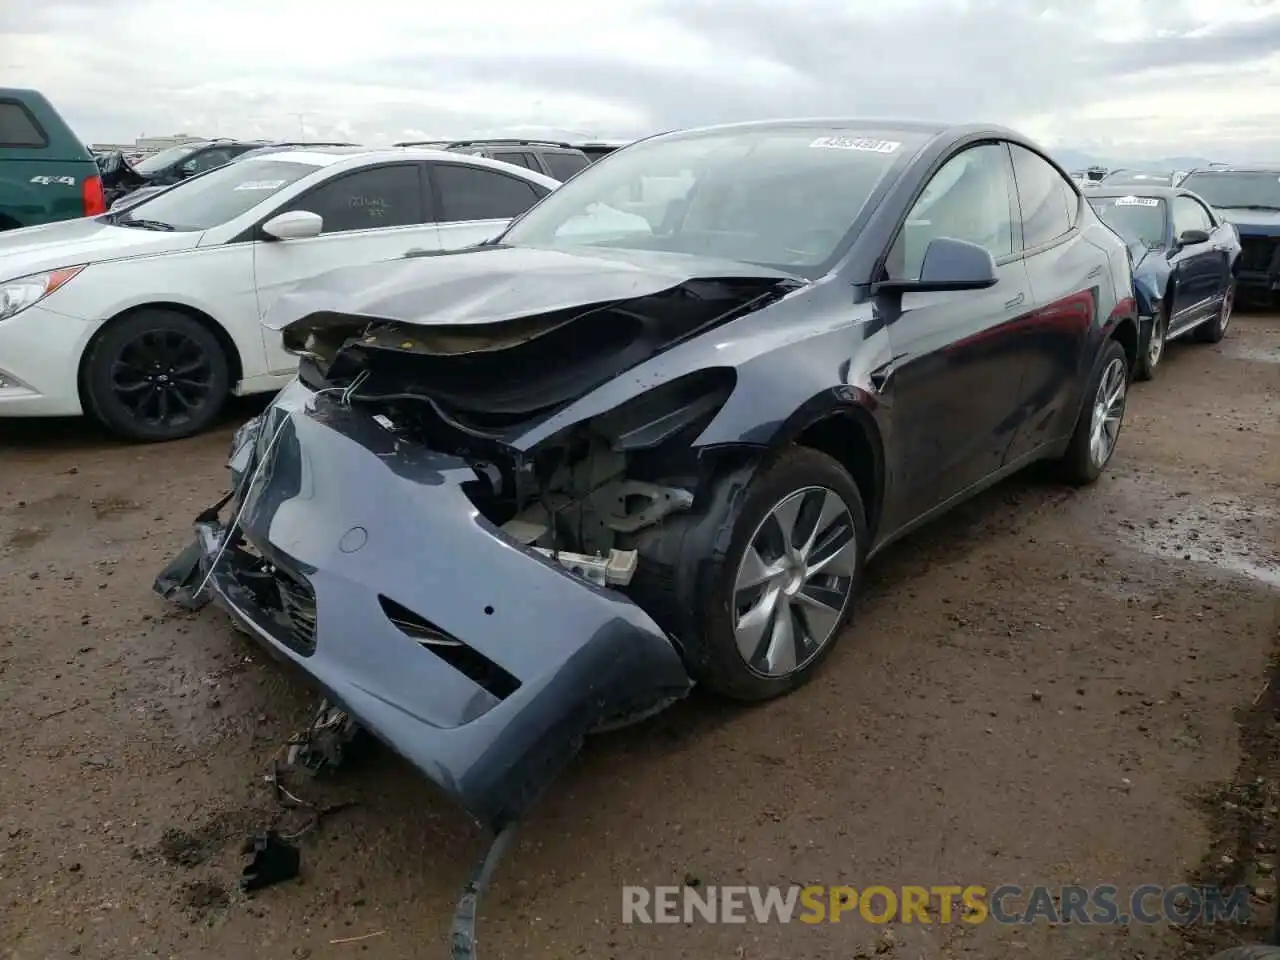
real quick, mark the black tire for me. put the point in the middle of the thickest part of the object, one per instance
(1078, 466)
(1252, 951)
(1212, 331)
(725, 670)
(1151, 349)
(115, 382)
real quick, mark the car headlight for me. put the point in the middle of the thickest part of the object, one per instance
(17, 295)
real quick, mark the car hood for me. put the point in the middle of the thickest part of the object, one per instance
(486, 285)
(1263, 223)
(87, 240)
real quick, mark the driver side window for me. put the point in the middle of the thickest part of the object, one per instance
(967, 199)
(1189, 215)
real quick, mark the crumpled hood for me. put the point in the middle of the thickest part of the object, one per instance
(1257, 223)
(494, 284)
(86, 240)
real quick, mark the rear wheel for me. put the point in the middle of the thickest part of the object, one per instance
(156, 375)
(1215, 329)
(784, 588)
(1101, 417)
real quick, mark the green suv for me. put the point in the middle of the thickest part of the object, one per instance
(46, 173)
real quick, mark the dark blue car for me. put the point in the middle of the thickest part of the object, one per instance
(1249, 198)
(1186, 259)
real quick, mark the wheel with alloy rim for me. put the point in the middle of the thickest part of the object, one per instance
(156, 375)
(1108, 412)
(1154, 348)
(1097, 431)
(1215, 329)
(787, 582)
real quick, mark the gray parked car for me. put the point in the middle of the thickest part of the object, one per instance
(550, 157)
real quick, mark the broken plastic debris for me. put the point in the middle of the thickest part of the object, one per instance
(616, 570)
(274, 861)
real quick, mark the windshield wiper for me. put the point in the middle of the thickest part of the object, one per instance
(145, 224)
(1254, 206)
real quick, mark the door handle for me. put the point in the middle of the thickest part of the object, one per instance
(1016, 301)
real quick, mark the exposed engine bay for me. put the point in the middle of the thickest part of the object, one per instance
(585, 494)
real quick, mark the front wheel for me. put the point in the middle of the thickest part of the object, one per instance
(1152, 351)
(1215, 329)
(156, 375)
(1098, 429)
(784, 588)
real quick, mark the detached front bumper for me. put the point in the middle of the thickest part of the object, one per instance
(359, 558)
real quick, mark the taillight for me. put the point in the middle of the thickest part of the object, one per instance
(95, 201)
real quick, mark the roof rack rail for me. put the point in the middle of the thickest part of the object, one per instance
(510, 141)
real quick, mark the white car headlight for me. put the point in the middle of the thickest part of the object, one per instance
(17, 295)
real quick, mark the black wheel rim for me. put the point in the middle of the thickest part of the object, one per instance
(162, 378)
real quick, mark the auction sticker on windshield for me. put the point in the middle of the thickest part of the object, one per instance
(261, 185)
(857, 143)
(1137, 202)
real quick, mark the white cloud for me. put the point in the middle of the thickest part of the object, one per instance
(1140, 77)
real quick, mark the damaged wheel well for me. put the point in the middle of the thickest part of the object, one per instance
(234, 365)
(845, 439)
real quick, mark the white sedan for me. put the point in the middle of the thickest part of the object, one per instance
(149, 318)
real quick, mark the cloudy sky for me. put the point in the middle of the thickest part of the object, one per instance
(1128, 78)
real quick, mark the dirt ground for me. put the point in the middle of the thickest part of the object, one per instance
(1047, 687)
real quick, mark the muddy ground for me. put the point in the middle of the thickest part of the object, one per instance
(1047, 687)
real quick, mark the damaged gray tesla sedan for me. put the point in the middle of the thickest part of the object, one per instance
(651, 434)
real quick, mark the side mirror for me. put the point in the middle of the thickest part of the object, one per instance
(949, 264)
(294, 225)
(1189, 237)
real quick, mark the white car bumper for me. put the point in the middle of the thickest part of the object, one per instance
(40, 355)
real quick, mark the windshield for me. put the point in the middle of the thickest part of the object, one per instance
(1138, 220)
(220, 195)
(1222, 188)
(781, 197)
(165, 158)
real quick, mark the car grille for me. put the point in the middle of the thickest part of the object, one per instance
(1256, 253)
(285, 601)
(298, 604)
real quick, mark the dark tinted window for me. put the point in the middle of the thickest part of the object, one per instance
(1189, 215)
(518, 158)
(473, 193)
(564, 165)
(967, 199)
(1138, 220)
(206, 160)
(1048, 201)
(368, 199)
(18, 128)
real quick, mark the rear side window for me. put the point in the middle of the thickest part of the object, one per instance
(368, 199)
(564, 165)
(18, 128)
(519, 159)
(475, 193)
(1049, 203)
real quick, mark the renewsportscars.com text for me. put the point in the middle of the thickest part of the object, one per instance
(1006, 904)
